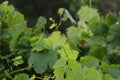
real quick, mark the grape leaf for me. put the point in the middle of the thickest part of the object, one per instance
(110, 19)
(41, 21)
(67, 53)
(115, 73)
(89, 61)
(21, 76)
(60, 11)
(98, 28)
(86, 14)
(73, 71)
(15, 19)
(114, 32)
(90, 72)
(37, 42)
(55, 40)
(41, 60)
(13, 41)
(98, 49)
(108, 77)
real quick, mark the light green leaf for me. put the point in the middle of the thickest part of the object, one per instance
(90, 72)
(18, 60)
(59, 73)
(21, 76)
(60, 11)
(86, 14)
(60, 63)
(55, 40)
(53, 26)
(73, 34)
(67, 53)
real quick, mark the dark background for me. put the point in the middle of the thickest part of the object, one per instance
(32, 9)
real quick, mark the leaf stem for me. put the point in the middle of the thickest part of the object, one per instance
(60, 22)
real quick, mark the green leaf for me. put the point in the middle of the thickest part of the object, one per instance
(114, 56)
(41, 60)
(59, 73)
(55, 40)
(7, 74)
(18, 60)
(21, 76)
(2, 67)
(110, 19)
(15, 19)
(76, 34)
(40, 24)
(72, 70)
(114, 73)
(73, 34)
(60, 11)
(38, 43)
(13, 41)
(98, 28)
(33, 77)
(105, 67)
(108, 77)
(86, 14)
(89, 61)
(98, 49)
(19, 19)
(53, 26)
(4, 79)
(90, 72)
(113, 32)
(67, 53)
(60, 63)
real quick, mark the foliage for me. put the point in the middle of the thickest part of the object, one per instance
(90, 49)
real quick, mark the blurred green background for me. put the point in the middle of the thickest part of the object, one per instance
(32, 9)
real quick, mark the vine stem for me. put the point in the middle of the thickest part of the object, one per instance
(60, 22)
(19, 70)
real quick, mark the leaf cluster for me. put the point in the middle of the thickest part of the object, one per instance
(90, 49)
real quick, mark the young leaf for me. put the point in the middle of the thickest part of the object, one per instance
(18, 60)
(60, 11)
(21, 76)
(40, 24)
(55, 40)
(86, 14)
